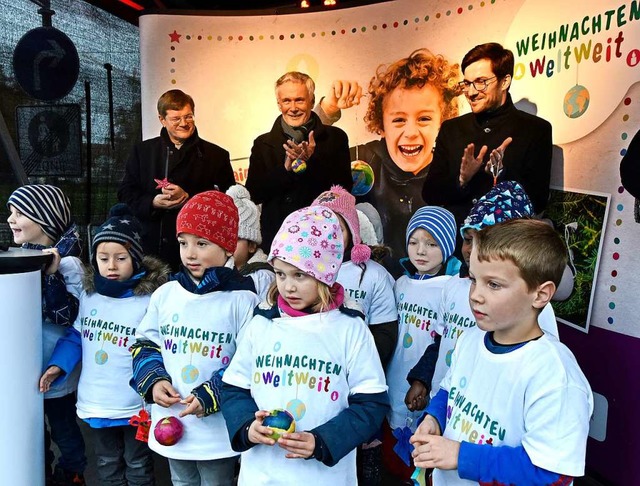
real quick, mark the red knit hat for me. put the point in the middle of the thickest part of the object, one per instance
(342, 202)
(211, 215)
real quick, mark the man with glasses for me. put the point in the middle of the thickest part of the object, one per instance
(163, 172)
(494, 142)
(298, 159)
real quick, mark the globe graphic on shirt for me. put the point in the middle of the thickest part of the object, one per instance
(407, 341)
(297, 408)
(363, 178)
(101, 357)
(576, 101)
(190, 374)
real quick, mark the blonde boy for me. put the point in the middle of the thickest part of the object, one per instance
(514, 407)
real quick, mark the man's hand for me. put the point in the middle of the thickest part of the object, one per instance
(302, 150)
(342, 95)
(299, 444)
(172, 196)
(471, 164)
(435, 451)
(494, 166)
(164, 394)
(416, 397)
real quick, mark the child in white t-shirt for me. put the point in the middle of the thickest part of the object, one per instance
(507, 200)
(371, 286)
(117, 287)
(307, 353)
(514, 407)
(430, 239)
(249, 258)
(189, 335)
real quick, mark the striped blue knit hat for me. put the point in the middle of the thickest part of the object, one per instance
(440, 224)
(44, 204)
(506, 200)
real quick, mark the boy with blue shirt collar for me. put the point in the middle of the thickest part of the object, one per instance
(527, 382)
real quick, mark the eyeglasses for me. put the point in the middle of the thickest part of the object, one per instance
(479, 85)
(175, 120)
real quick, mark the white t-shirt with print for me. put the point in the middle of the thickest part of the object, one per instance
(535, 396)
(455, 317)
(107, 328)
(309, 365)
(374, 294)
(197, 336)
(417, 303)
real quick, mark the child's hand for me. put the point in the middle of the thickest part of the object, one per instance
(194, 407)
(48, 377)
(416, 397)
(164, 394)
(258, 433)
(436, 451)
(299, 444)
(428, 426)
(55, 262)
(343, 94)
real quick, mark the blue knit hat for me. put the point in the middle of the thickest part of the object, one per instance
(506, 200)
(121, 227)
(440, 224)
(46, 205)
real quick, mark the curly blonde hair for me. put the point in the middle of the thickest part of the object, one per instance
(422, 67)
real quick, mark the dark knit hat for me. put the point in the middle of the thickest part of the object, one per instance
(211, 215)
(440, 224)
(44, 204)
(506, 200)
(121, 227)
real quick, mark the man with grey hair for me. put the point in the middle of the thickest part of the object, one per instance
(298, 159)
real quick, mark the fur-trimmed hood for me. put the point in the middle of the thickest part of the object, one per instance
(157, 273)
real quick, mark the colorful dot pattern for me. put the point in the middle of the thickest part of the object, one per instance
(177, 37)
(618, 221)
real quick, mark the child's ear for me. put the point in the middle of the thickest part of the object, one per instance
(253, 246)
(543, 294)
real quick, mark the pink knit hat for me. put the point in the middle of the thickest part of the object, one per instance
(211, 215)
(310, 239)
(343, 203)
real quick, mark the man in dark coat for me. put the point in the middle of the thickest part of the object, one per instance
(298, 159)
(518, 145)
(163, 172)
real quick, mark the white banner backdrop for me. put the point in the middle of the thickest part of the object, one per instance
(576, 66)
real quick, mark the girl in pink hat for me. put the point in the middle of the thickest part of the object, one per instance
(308, 360)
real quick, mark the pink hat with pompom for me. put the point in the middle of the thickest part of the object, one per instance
(342, 202)
(311, 239)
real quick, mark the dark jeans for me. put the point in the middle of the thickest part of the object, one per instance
(122, 460)
(61, 415)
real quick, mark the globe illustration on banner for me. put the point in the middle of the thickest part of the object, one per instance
(190, 374)
(576, 101)
(363, 177)
(101, 357)
(297, 408)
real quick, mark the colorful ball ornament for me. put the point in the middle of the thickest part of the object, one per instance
(280, 422)
(298, 166)
(363, 177)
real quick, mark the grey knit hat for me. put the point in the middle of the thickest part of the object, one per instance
(249, 227)
(46, 205)
(121, 227)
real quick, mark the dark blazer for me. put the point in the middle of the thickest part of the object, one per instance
(527, 160)
(196, 167)
(280, 191)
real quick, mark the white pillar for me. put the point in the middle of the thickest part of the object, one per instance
(21, 412)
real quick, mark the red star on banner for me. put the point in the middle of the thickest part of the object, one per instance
(162, 183)
(175, 37)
